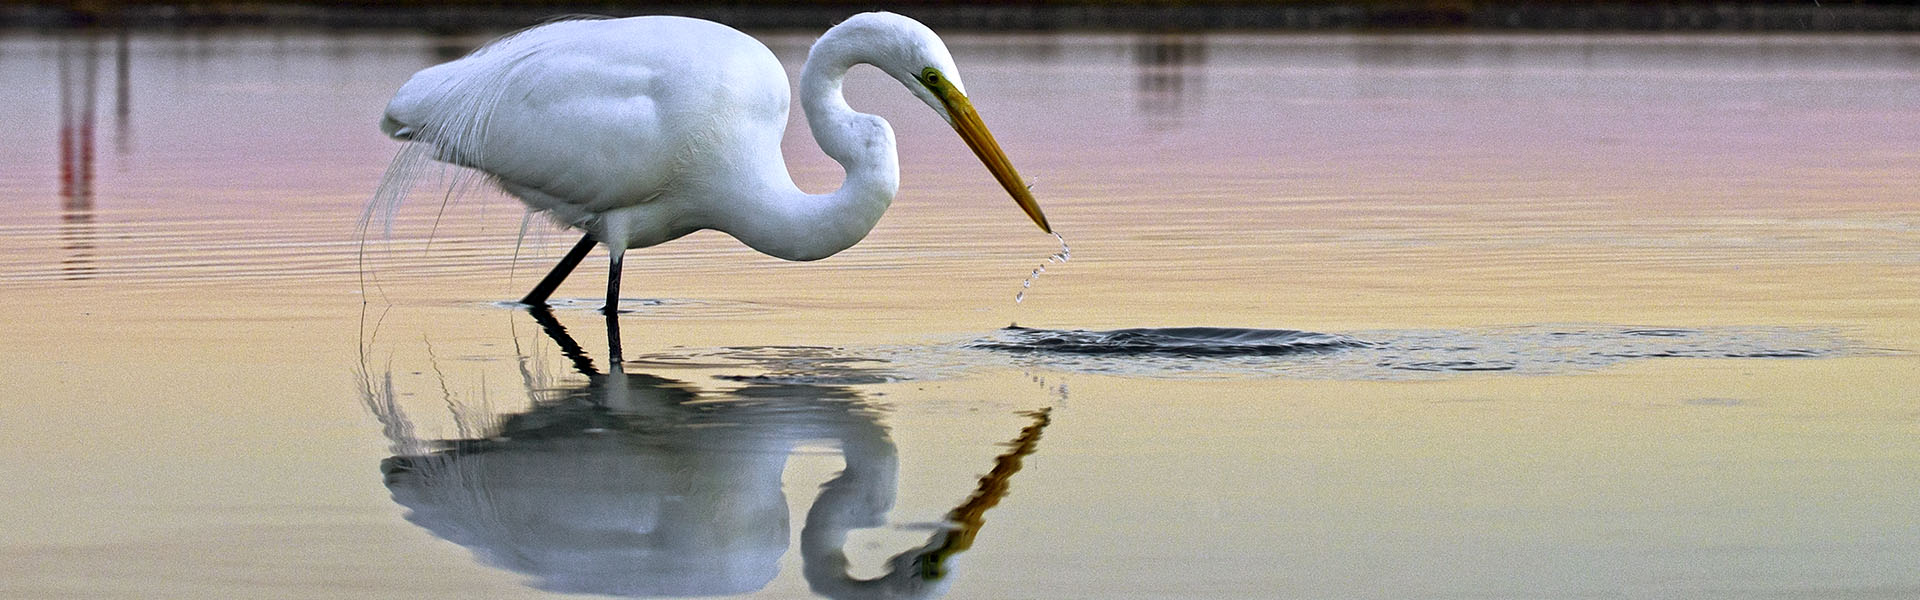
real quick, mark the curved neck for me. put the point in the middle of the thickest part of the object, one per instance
(812, 226)
(862, 143)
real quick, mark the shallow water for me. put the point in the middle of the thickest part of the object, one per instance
(1349, 316)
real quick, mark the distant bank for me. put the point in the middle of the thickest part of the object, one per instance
(1150, 15)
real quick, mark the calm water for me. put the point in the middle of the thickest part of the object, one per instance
(1347, 317)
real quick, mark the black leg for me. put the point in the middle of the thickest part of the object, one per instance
(538, 297)
(615, 356)
(613, 284)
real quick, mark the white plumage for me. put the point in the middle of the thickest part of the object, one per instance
(640, 130)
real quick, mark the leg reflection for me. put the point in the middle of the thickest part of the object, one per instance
(631, 484)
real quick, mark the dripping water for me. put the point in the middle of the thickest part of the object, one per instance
(1062, 256)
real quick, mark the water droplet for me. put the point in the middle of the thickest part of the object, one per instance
(1062, 256)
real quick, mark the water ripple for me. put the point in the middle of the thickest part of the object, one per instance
(1234, 352)
(1168, 341)
(654, 308)
(1394, 354)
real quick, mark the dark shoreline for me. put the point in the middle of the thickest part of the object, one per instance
(1135, 16)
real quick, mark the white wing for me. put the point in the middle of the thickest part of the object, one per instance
(597, 114)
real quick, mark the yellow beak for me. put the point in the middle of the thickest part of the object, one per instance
(967, 123)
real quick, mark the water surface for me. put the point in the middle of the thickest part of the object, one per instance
(1349, 316)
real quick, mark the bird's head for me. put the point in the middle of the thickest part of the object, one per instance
(914, 55)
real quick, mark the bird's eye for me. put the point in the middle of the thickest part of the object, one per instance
(930, 75)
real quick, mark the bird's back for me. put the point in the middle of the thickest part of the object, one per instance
(579, 117)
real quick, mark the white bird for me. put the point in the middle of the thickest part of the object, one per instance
(640, 130)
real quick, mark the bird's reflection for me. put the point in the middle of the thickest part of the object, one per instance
(636, 485)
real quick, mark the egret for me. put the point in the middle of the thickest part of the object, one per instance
(640, 130)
